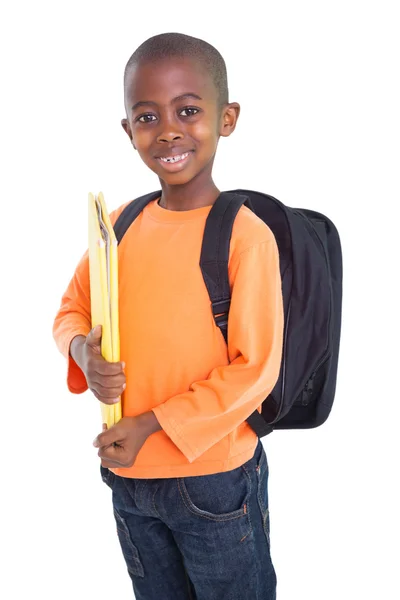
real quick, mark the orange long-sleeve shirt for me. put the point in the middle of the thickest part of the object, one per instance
(177, 362)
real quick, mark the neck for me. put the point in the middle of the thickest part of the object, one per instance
(188, 196)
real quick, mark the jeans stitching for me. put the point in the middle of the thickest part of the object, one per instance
(154, 504)
(137, 484)
(191, 507)
(248, 496)
(122, 528)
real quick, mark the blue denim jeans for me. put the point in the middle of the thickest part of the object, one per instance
(197, 538)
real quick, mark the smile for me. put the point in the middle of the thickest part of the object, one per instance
(175, 163)
(174, 159)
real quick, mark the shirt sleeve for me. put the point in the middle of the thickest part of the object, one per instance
(211, 409)
(72, 319)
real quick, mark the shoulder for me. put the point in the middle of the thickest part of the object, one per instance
(249, 231)
(253, 245)
(148, 198)
(116, 212)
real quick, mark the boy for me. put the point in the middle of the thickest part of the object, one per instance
(188, 474)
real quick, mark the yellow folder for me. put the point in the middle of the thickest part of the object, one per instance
(103, 273)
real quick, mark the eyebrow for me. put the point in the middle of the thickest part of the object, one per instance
(181, 97)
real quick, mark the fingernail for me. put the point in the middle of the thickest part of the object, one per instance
(123, 365)
(115, 400)
(124, 386)
(95, 443)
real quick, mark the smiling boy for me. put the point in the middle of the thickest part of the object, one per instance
(189, 475)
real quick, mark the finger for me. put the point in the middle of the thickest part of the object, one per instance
(109, 401)
(104, 426)
(104, 367)
(114, 454)
(109, 437)
(108, 381)
(110, 464)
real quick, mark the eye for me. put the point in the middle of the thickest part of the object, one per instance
(190, 111)
(147, 118)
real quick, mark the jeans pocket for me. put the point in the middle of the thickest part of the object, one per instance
(107, 476)
(219, 497)
(129, 549)
(262, 492)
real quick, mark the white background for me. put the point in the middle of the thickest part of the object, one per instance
(317, 82)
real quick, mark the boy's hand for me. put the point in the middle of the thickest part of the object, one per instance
(105, 379)
(120, 445)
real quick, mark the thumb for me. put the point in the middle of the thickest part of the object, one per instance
(94, 336)
(107, 437)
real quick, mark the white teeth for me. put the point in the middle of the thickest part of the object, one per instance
(172, 159)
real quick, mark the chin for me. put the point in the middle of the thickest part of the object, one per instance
(176, 178)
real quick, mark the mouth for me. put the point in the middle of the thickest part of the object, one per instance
(174, 162)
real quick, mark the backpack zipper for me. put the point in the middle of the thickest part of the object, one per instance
(306, 393)
(308, 389)
(284, 362)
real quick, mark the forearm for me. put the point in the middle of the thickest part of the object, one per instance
(149, 423)
(200, 418)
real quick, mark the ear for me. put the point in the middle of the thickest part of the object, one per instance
(229, 117)
(126, 127)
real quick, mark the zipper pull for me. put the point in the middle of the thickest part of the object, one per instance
(308, 390)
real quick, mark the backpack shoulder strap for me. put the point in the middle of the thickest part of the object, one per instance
(130, 212)
(215, 255)
(214, 267)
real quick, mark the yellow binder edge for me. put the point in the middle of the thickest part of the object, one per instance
(105, 309)
(113, 295)
(115, 316)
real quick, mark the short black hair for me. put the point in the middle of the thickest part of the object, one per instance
(166, 45)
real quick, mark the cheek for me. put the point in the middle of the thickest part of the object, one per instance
(142, 139)
(207, 135)
(206, 128)
(142, 143)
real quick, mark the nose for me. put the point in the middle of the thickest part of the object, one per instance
(170, 130)
(171, 137)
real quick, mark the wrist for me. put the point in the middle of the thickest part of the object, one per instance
(148, 423)
(75, 349)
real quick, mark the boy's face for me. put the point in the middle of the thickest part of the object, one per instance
(173, 118)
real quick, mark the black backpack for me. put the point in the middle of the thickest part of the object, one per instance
(311, 270)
